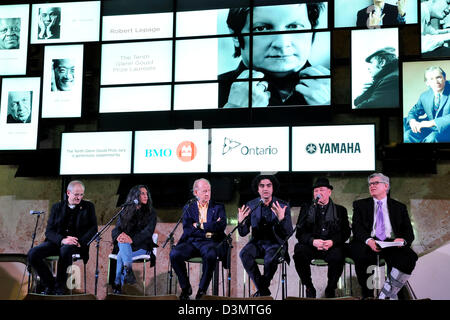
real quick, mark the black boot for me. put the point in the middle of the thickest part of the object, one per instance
(129, 275)
(117, 288)
(186, 293)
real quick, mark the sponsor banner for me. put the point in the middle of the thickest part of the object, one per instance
(250, 149)
(171, 151)
(333, 148)
(96, 153)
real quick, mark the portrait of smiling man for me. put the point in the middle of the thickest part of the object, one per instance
(278, 56)
(64, 74)
(9, 33)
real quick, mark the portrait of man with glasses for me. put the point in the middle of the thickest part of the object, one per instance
(63, 77)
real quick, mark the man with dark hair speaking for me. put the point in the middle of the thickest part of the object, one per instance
(429, 119)
(280, 68)
(269, 219)
(383, 91)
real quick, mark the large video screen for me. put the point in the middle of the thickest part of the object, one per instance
(19, 113)
(171, 151)
(65, 22)
(13, 39)
(63, 81)
(96, 153)
(375, 68)
(290, 63)
(250, 149)
(426, 103)
(333, 148)
(374, 14)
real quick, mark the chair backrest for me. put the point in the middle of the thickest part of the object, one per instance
(155, 240)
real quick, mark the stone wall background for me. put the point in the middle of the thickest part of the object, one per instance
(427, 197)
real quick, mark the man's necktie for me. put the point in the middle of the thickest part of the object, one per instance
(380, 231)
(437, 101)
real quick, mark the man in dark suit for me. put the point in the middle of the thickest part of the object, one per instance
(383, 91)
(381, 218)
(381, 13)
(269, 220)
(204, 223)
(72, 223)
(322, 230)
(429, 119)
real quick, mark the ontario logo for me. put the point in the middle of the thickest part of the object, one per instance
(338, 147)
(229, 145)
(186, 151)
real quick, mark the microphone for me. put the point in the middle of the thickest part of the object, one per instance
(36, 212)
(316, 200)
(134, 201)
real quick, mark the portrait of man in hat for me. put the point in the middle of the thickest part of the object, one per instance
(322, 230)
(383, 91)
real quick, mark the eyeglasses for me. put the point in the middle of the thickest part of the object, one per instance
(78, 195)
(65, 71)
(375, 183)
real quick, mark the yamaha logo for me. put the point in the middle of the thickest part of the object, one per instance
(338, 147)
(311, 148)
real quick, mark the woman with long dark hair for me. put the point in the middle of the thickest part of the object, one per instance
(133, 234)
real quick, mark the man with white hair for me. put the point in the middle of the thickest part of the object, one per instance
(72, 223)
(381, 218)
(204, 223)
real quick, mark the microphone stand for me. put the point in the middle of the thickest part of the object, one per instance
(229, 241)
(172, 240)
(281, 259)
(32, 245)
(97, 238)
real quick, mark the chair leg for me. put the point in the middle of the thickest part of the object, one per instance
(85, 289)
(154, 278)
(143, 276)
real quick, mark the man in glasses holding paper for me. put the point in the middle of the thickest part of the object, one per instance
(381, 226)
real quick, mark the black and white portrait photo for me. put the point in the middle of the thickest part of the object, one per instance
(19, 106)
(9, 33)
(375, 69)
(290, 60)
(62, 82)
(49, 23)
(14, 22)
(372, 14)
(63, 77)
(19, 113)
(435, 28)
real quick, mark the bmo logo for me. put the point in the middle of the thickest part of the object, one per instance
(186, 151)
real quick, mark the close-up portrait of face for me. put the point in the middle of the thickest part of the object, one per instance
(278, 54)
(9, 33)
(64, 70)
(19, 109)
